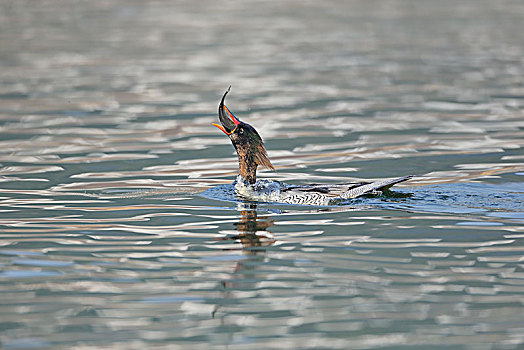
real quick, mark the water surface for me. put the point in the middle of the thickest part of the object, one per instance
(106, 146)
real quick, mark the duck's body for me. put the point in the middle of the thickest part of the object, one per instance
(313, 194)
(252, 153)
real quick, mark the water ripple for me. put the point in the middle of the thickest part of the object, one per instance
(118, 220)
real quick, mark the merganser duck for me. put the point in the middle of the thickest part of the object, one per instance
(252, 153)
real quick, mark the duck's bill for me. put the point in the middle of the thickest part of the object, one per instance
(227, 119)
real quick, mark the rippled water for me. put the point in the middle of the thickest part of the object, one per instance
(114, 235)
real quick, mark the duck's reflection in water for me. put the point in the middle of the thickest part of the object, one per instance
(252, 230)
(254, 237)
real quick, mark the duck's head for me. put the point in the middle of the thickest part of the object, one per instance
(246, 140)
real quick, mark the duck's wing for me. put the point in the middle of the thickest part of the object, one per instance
(329, 190)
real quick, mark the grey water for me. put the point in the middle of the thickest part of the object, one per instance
(119, 228)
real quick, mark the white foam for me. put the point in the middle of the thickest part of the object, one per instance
(261, 190)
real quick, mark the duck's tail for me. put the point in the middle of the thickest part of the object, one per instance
(373, 187)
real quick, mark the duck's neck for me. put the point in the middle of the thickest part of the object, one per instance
(247, 167)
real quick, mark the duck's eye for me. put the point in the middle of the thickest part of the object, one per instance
(240, 131)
